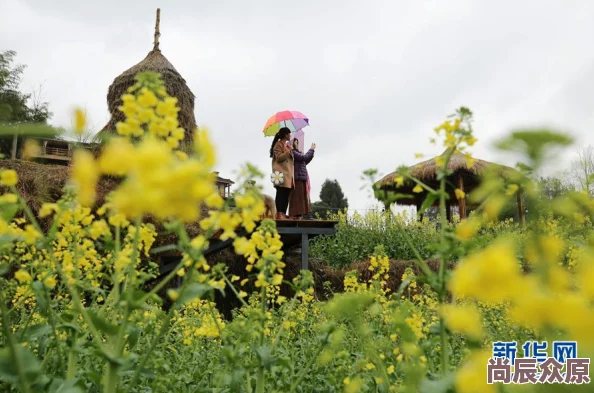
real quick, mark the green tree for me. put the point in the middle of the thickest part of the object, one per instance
(332, 199)
(581, 172)
(553, 187)
(17, 107)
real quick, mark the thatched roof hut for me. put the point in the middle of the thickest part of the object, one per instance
(463, 177)
(176, 86)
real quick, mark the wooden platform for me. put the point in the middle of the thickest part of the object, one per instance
(292, 233)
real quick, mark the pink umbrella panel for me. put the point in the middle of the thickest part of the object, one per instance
(293, 120)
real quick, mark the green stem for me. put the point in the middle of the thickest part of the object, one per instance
(72, 361)
(260, 376)
(418, 258)
(442, 266)
(248, 381)
(12, 346)
(234, 290)
(110, 382)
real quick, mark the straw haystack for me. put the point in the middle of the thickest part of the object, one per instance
(463, 177)
(176, 86)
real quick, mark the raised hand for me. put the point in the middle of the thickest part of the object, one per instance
(313, 146)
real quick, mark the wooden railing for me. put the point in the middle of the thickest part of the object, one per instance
(57, 151)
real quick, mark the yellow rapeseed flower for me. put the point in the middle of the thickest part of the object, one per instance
(85, 175)
(470, 141)
(8, 198)
(418, 189)
(493, 206)
(490, 275)
(22, 276)
(459, 193)
(147, 99)
(440, 161)
(399, 181)
(470, 161)
(204, 147)
(512, 189)
(31, 149)
(47, 209)
(50, 282)
(214, 200)
(467, 228)
(464, 319)
(473, 374)
(117, 157)
(80, 121)
(8, 177)
(173, 294)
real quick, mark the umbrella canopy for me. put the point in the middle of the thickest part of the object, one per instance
(293, 120)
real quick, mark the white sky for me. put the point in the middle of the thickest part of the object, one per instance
(373, 76)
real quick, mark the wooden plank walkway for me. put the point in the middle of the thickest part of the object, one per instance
(292, 233)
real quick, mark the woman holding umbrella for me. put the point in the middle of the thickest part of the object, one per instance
(300, 204)
(282, 170)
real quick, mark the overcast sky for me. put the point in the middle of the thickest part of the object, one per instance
(374, 77)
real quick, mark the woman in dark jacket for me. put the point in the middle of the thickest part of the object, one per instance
(300, 204)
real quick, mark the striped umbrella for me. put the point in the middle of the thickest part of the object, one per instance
(293, 120)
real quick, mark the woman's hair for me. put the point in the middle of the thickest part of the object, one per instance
(281, 134)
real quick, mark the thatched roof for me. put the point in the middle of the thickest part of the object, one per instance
(426, 171)
(40, 183)
(176, 86)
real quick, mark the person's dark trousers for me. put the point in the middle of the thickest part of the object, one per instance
(282, 199)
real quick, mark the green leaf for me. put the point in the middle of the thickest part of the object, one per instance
(442, 385)
(428, 202)
(8, 365)
(59, 385)
(265, 356)
(168, 247)
(40, 297)
(133, 336)
(402, 286)
(102, 324)
(36, 331)
(4, 268)
(7, 212)
(67, 316)
(193, 291)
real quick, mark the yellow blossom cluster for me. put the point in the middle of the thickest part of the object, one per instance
(198, 319)
(156, 182)
(263, 251)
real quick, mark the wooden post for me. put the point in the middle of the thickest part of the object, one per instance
(520, 208)
(157, 32)
(462, 201)
(420, 217)
(13, 150)
(304, 251)
(448, 211)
